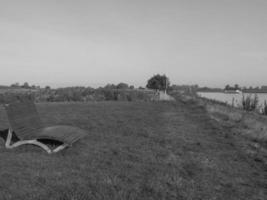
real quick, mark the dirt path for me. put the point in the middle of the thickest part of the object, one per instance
(212, 158)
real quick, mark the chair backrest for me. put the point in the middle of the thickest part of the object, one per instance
(24, 119)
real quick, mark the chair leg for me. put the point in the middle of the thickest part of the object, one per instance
(59, 148)
(8, 139)
(34, 142)
(19, 143)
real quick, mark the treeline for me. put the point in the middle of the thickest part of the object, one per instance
(184, 89)
(110, 92)
(89, 94)
(250, 89)
(26, 85)
(83, 94)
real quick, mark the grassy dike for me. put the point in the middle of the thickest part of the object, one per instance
(134, 150)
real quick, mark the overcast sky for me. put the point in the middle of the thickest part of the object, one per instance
(91, 43)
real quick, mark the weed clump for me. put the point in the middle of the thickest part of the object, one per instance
(250, 103)
(264, 109)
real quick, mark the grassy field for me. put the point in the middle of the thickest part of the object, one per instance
(134, 150)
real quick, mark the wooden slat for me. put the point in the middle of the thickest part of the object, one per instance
(65, 134)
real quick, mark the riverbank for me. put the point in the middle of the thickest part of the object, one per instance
(248, 128)
(236, 100)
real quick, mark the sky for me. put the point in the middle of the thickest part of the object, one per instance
(91, 43)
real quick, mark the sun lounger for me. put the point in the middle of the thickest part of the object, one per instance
(26, 124)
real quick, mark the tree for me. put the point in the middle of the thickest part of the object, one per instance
(158, 82)
(110, 87)
(26, 85)
(227, 87)
(122, 86)
(47, 87)
(236, 87)
(15, 85)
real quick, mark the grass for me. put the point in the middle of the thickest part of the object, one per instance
(134, 150)
(251, 124)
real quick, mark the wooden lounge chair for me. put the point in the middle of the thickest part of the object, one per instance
(25, 123)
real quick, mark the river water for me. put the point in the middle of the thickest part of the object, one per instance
(233, 99)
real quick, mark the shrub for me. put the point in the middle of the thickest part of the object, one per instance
(264, 109)
(109, 95)
(250, 103)
(122, 86)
